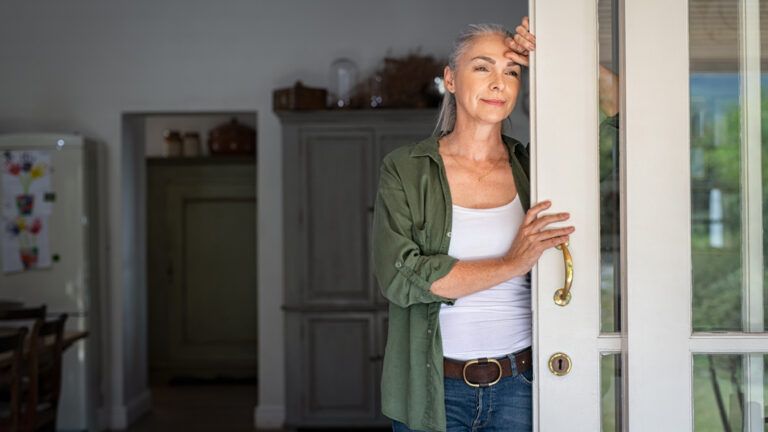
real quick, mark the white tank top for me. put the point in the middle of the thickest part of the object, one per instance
(496, 321)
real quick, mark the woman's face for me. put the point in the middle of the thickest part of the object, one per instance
(485, 82)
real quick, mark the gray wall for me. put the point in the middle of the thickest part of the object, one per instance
(78, 65)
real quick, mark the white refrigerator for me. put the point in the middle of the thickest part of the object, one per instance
(49, 198)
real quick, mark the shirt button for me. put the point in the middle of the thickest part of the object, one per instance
(429, 330)
(398, 264)
(449, 234)
(428, 365)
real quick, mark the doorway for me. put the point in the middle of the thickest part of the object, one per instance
(200, 208)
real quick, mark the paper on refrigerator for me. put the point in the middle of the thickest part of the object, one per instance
(25, 182)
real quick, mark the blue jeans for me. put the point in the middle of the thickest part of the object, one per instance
(506, 406)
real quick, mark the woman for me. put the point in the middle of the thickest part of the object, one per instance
(454, 240)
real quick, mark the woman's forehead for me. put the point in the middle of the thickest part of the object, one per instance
(491, 45)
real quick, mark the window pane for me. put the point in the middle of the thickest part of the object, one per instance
(610, 392)
(727, 296)
(721, 395)
(610, 319)
(717, 393)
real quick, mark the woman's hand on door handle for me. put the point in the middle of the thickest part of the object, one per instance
(532, 239)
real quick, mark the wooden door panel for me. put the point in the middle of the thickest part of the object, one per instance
(213, 294)
(337, 192)
(202, 270)
(339, 369)
(219, 305)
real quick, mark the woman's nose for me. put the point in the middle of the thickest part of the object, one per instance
(497, 83)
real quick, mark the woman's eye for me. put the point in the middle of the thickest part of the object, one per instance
(513, 73)
(481, 68)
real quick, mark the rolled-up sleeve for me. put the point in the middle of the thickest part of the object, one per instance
(404, 274)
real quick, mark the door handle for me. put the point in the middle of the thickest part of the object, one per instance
(563, 295)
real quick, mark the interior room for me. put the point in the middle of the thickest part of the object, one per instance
(252, 215)
(188, 323)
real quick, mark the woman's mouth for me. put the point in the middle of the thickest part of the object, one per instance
(494, 102)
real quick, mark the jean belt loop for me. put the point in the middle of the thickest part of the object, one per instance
(513, 363)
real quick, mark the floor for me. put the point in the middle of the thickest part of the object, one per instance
(198, 408)
(221, 408)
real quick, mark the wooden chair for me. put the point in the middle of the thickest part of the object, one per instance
(23, 314)
(12, 319)
(44, 370)
(11, 357)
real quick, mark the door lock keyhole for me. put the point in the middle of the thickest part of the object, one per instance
(560, 364)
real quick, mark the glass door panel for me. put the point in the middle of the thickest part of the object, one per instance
(727, 187)
(608, 132)
(721, 392)
(610, 392)
(716, 217)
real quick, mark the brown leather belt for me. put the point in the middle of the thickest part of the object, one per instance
(486, 372)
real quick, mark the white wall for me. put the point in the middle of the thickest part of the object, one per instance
(78, 65)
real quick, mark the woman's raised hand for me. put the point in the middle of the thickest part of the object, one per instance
(532, 239)
(521, 44)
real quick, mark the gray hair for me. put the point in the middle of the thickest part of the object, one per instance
(447, 118)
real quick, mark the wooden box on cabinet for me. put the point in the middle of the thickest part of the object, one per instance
(335, 317)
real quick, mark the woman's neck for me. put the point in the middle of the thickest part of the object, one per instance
(474, 141)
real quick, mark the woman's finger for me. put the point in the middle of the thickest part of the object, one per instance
(543, 221)
(534, 211)
(514, 46)
(545, 235)
(517, 58)
(522, 41)
(555, 241)
(527, 27)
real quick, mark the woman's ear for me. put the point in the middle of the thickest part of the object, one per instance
(448, 80)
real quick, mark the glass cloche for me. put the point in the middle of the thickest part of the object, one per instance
(343, 78)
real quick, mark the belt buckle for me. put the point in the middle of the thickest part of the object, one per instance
(477, 361)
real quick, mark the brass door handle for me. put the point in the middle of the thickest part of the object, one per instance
(563, 295)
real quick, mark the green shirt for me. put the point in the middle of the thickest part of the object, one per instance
(411, 234)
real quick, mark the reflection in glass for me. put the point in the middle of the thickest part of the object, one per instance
(718, 393)
(608, 69)
(715, 201)
(610, 392)
(726, 158)
(721, 399)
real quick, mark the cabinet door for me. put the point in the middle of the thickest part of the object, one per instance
(339, 371)
(336, 166)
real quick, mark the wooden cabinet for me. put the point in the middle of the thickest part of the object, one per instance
(202, 268)
(335, 316)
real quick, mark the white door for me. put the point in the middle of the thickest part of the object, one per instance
(665, 328)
